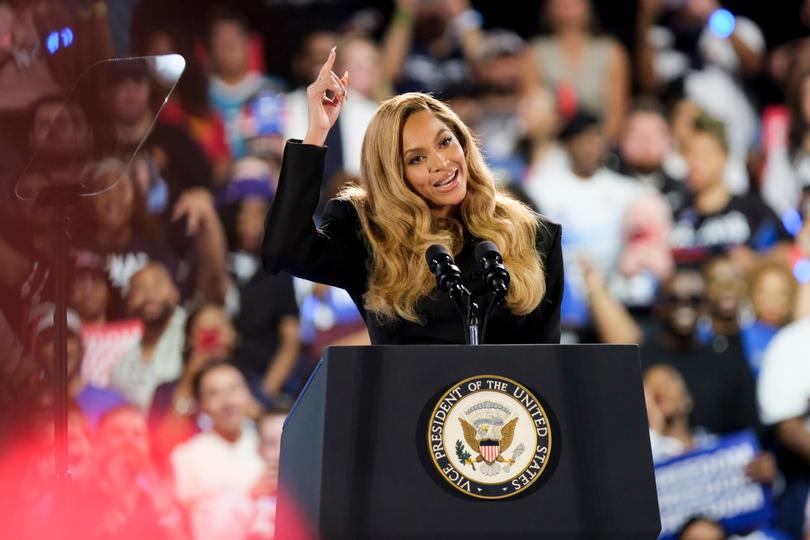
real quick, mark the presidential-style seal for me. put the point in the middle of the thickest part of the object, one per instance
(489, 437)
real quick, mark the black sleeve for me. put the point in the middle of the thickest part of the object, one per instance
(544, 323)
(285, 294)
(334, 253)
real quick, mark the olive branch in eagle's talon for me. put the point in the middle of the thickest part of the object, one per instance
(462, 454)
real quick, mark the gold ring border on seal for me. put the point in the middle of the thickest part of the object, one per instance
(469, 493)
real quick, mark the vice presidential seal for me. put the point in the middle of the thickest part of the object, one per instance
(489, 437)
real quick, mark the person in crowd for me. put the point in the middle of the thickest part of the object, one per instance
(106, 341)
(670, 405)
(117, 226)
(784, 185)
(216, 471)
(497, 73)
(92, 401)
(585, 69)
(701, 528)
(772, 290)
(428, 46)
(126, 498)
(423, 182)
(269, 425)
(684, 112)
(179, 160)
(589, 201)
(720, 383)
(713, 54)
(188, 107)
(209, 335)
(716, 220)
(235, 88)
(784, 396)
(263, 306)
(329, 318)
(645, 144)
(539, 148)
(157, 358)
(305, 67)
(725, 293)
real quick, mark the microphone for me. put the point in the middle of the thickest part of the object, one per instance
(448, 275)
(448, 279)
(495, 275)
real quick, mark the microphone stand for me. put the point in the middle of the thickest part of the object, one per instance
(471, 319)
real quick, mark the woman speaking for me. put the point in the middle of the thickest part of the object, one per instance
(423, 181)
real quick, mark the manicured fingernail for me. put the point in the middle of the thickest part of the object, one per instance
(333, 49)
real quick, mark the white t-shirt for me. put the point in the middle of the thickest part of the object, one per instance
(136, 379)
(591, 212)
(213, 479)
(783, 388)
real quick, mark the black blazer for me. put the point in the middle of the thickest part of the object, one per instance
(337, 254)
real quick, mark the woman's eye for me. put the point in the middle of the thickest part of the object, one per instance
(446, 142)
(415, 160)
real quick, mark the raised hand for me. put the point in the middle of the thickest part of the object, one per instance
(325, 98)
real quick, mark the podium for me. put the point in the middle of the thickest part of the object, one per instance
(358, 462)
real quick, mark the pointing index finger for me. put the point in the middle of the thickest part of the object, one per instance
(327, 66)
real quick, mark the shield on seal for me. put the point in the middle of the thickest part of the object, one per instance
(490, 450)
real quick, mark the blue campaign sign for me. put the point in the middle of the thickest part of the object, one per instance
(711, 482)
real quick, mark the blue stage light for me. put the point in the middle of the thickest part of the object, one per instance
(67, 36)
(792, 220)
(722, 23)
(52, 42)
(801, 269)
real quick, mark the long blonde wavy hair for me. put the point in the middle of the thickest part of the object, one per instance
(399, 226)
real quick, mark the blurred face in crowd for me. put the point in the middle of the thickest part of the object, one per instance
(434, 162)
(250, 223)
(113, 209)
(229, 48)
(501, 74)
(538, 114)
(130, 100)
(270, 428)
(60, 131)
(679, 306)
(160, 43)
(706, 159)
(683, 119)
(568, 14)
(309, 60)
(725, 287)
(703, 530)
(361, 59)
(152, 294)
(668, 389)
(122, 449)
(224, 397)
(586, 151)
(772, 296)
(212, 332)
(89, 295)
(46, 352)
(645, 142)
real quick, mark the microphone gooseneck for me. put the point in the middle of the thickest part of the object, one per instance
(448, 279)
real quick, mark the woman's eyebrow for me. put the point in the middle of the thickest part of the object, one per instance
(439, 133)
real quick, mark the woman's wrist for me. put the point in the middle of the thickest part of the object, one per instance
(316, 137)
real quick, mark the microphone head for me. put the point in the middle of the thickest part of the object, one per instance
(485, 248)
(434, 253)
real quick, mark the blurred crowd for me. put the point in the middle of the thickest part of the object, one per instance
(684, 199)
